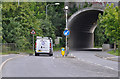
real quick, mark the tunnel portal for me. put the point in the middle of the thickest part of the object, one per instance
(82, 25)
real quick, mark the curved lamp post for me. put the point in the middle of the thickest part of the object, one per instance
(50, 4)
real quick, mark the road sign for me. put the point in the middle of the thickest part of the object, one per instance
(33, 31)
(66, 32)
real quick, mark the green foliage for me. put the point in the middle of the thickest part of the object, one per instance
(62, 42)
(11, 31)
(23, 43)
(56, 15)
(119, 27)
(48, 30)
(18, 21)
(109, 22)
(9, 52)
(73, 9)
(27, 51)
(119, 46)
(114, 53)
(87, 5)
(0, 23)
(57, 48)
(99, 35)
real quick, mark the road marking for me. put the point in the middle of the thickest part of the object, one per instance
(109, 67)
(1, 66)
(3, 55)
(97, 64)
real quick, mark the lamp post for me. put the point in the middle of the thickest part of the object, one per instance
(50, 4)
(66, 10)
(18, 2)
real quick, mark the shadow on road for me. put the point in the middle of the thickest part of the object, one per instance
(40, 55)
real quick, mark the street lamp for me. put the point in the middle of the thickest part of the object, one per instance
(50, 4)
(57, 3)
(66, 10)
(18, 2)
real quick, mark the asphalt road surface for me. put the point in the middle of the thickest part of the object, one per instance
(45, 66)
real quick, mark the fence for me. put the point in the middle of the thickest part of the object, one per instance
(5, 47)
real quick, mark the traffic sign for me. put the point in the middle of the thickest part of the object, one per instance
(33, 31)
(66, 32)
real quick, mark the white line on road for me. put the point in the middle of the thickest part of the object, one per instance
(1, 66)
(109, 67)
(3, 55)
(97, 64)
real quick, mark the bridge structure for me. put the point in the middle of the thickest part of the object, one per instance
(82, 25)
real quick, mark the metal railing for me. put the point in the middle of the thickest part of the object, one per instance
(5, 47)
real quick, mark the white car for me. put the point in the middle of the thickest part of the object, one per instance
(43, 46)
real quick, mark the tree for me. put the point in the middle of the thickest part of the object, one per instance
(119, 27)
(57, 17)
(87, 5)
(48, 30)
(99, 35)
(18, 21)
(109, 21)
(0, 22)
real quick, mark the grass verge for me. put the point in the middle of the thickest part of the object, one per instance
(29, 51)
(97, 47)
(114, 53)
(56, 48)
(9, 52)
(17, 52)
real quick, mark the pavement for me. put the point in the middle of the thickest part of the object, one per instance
(108, 56)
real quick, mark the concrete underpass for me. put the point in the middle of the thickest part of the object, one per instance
(82, 25)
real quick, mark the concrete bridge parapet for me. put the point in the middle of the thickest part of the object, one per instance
(82, 25)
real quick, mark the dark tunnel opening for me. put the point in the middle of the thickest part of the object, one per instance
(82, 25)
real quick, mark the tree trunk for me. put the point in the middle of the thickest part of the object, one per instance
(119, 47)
(115, 46)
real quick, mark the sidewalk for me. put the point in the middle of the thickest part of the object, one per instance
(108, 56)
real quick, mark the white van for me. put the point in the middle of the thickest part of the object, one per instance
(43, 46)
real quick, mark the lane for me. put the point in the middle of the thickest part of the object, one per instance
(44, 66)
(5, 57)
(89, 56)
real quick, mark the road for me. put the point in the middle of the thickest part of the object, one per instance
(89, 56)
(45, 66)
